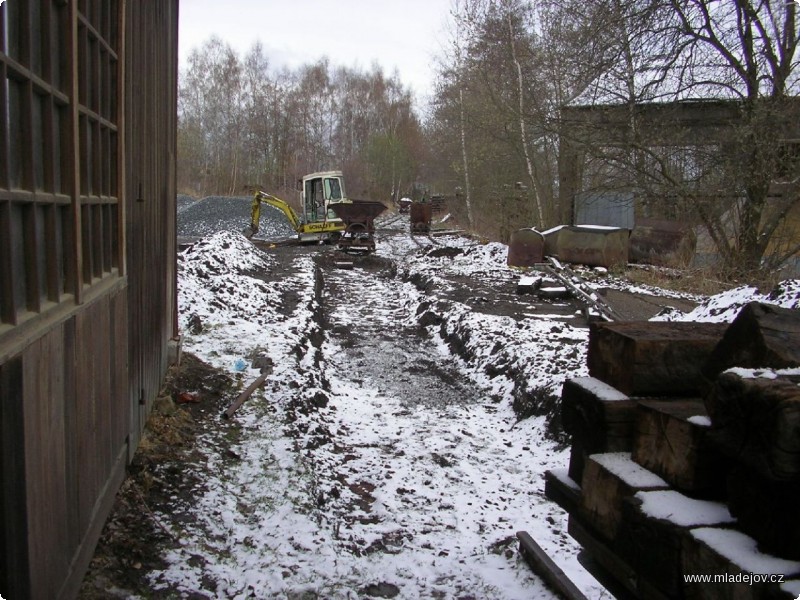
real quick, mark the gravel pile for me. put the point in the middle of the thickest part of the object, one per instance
(201, 218)
(184, 202)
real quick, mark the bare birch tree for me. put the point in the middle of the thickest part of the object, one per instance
(523, 133)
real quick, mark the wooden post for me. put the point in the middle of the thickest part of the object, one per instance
(756, 421)
(609, 481)
(656, 523)
(766, 510)
(730, 553)
(672, 441)
(761, 336)
(598, 417)
(652, 358)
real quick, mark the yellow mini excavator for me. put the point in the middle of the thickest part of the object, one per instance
(317, 221)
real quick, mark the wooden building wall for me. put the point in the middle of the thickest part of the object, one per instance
(151, 217)
(87, 268)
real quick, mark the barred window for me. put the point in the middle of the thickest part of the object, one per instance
(60, 215)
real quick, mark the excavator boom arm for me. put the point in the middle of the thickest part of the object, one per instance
(255, 212)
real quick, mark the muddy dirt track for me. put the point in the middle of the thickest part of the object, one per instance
(384, 457)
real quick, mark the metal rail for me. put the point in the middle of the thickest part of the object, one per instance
(568, 277)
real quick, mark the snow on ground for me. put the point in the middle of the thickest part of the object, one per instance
(216, 285)
(599, 277)
(370, 488)
(723, 307)
(534, 355)
(440, 481)
(380, 458)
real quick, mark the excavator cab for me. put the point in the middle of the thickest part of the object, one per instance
(319, 190)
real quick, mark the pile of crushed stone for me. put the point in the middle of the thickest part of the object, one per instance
(199, 218)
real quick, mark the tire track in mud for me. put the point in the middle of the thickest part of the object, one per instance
(422, 479)
(369, 315)
(369, 465)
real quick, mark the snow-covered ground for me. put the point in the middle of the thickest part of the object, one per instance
(356, 476)
(723, 308)
(419, 491)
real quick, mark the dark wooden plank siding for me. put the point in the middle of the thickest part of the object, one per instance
(87, 273)
(72, 441)
(151, 241)
(89, 368)
(45, 434)
(14, 567)
(72, 477)
(100, 408)
(63, 426)
(120, 412)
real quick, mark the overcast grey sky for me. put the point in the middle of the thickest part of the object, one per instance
(401, 34)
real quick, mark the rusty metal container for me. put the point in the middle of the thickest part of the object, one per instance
(358, 212)
(420, 217)
(591, 245)
(662, 242)
(359, 217)
(526, 248)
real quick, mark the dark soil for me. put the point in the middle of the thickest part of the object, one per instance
(159, 479)
(641, 307)
(166, 472)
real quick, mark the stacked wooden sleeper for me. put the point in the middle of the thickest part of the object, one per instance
(688, 468)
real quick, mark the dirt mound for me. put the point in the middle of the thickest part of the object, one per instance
(185, 202)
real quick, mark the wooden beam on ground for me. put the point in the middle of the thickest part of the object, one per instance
(544, 566)
(246, 394)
